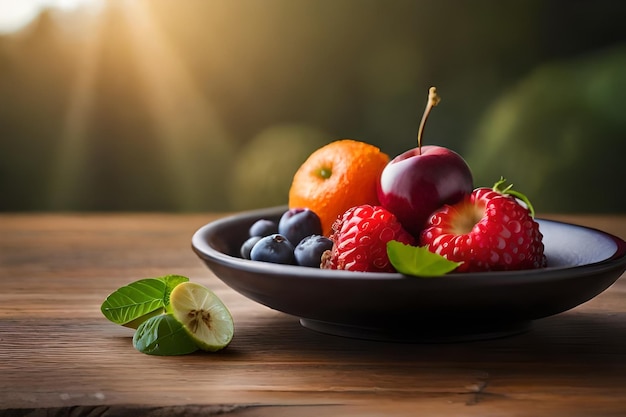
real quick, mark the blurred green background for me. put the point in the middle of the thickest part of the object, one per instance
(211, 105)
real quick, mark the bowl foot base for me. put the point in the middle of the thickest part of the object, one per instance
(421, 334)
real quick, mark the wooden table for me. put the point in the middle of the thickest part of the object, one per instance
(60, 357)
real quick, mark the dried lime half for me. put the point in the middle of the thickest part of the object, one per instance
(203, 315)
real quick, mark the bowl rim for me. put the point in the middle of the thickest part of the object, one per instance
(201, 246)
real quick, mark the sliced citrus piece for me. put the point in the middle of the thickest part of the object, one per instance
(203, 315)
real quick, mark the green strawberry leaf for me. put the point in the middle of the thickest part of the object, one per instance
(134, 303)
(163, 335)
(418, 260)
(508, 190)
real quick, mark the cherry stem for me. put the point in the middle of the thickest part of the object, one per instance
(433, 100)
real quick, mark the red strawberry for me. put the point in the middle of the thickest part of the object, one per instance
(488, 231)
(360, 239)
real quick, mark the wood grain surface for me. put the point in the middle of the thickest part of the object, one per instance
(60, 357)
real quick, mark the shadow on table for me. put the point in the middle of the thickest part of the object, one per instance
(572, 336)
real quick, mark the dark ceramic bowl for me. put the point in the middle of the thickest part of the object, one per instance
(582, 263)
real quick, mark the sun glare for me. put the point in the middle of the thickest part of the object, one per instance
(70, 160)
(17, 14)
(186, 123)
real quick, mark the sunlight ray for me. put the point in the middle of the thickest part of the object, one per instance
(187, 124)
(68, 167)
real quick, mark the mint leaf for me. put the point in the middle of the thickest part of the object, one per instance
(418, 260)
(134, 303)
(163, 335)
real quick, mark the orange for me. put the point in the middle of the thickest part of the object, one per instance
(336, 177)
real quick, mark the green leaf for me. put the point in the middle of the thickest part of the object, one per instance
(508, 190)
(418, 260)
(163, 335)
(134, 303)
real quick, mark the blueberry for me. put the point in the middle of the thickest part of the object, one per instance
(310, 249)
(247, 246)
(297, 223)
(273, 248)
(263, 227)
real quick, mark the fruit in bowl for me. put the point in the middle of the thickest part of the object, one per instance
(295, 239)
(360, 238)
(336, 177)
(417, 214)
(419, 181)
(297, 223)
(490, 230)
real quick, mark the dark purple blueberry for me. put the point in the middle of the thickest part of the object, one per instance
(297, 223)
(310, 249)
(247, 246)
(273, 248)
(263, 227)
